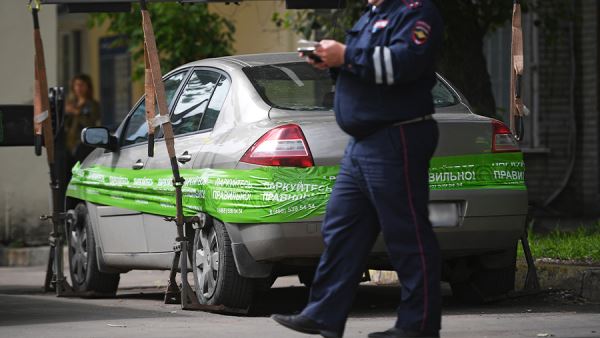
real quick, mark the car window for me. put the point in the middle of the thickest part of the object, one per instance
(293, 86)
(172, 84)
(442, 96)
(193, 101)
(299, 86)
(136, 129)
(216, 103)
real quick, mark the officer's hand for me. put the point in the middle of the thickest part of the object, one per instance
(331, 52)
(318, 65)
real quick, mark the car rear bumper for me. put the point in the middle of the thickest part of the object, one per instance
(276, 242)
(490, 220)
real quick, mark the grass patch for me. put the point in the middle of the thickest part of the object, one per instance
(582, 244)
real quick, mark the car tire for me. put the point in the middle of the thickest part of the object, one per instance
(83, 264)
(216, 278)
(487, 283)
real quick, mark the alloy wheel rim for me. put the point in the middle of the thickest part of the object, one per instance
(207, 262)
(79, 253)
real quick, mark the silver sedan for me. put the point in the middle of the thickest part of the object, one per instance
(259, 147)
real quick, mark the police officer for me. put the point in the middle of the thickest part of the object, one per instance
(385, 74)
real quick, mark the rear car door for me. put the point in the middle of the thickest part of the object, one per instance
(193, 118)
(121, 230)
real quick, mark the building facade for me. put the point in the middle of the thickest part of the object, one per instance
(562, 143)
(21, 172)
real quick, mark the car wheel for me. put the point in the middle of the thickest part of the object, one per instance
(83, 265)
(486, 283)
(216, 277)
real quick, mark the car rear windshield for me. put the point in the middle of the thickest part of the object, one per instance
(299, 86)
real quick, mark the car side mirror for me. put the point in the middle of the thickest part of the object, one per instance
(98, 137)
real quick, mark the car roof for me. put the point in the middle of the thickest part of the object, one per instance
(255, 60)
(250, 60)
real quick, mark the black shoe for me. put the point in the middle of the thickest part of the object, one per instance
(399, 333)
(305, 325)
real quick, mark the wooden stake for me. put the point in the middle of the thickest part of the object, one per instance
(41, 107)
(150, 103)
(517, 109)
(161, 101)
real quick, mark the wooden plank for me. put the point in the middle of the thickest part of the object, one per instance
(150, 102)
(516, 68)
(161, 101)
(41, 104)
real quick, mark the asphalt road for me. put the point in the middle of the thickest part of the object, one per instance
(138, 311)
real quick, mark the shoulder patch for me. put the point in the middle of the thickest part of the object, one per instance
(420, 33)
(379, 25)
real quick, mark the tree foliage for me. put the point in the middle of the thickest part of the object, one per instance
(184, 33)
(467, 22)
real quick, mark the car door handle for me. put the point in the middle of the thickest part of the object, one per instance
(184, 158)
(138, 165)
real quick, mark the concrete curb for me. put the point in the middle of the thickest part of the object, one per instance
(19, 257)
(582, 280)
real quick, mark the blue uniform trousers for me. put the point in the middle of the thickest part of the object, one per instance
(382, 187)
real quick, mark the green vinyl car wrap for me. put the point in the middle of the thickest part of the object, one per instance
(270, 194)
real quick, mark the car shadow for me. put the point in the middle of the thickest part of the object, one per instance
(375, 301)
(16, 310)
(19, 306)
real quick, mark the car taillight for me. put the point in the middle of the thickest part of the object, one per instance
(502, 139)
(282, 146)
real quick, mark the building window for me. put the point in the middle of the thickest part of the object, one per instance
(115, 80)
(70, 56)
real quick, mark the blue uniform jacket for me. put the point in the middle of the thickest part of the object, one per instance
(389, 68)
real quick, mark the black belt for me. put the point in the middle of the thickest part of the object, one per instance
(415, 120)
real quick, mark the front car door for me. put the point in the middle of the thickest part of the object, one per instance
(121, 230)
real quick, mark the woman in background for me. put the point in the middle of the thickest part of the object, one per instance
(81, 111)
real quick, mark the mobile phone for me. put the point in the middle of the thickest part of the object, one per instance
(307, 49)
(310, 53)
